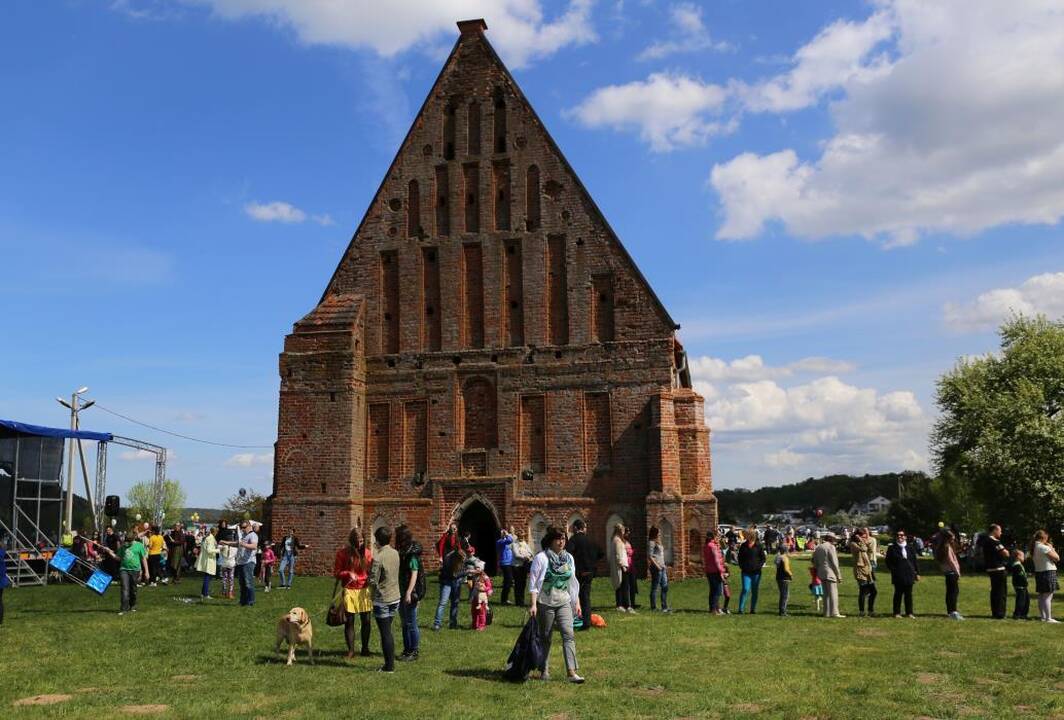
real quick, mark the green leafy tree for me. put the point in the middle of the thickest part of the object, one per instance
(1001, 430)
(140, 498)
(250, 505)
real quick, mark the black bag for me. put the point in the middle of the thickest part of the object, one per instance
(488, 616)
(527, 654)
(421, 585)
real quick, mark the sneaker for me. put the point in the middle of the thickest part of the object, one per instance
(365, 653)
(121, 613)
(911, 616)
(435, 628)
(838, 616)
(576, 679)
(266, 589)
(621, 609)
(408, 657)
(1053, 620)
(384, 669)
(666, 610)
(631, 611)
(898, 616)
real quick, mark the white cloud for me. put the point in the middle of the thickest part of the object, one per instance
(783, 458)
(517, 28)
(669, 110)
(250, 459)
(325, 220)
(276, 211)
(753, 367)
(135, 455)
(1042, 294)
(691, 34)
(957, 127)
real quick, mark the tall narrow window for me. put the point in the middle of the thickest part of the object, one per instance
(532, 198)
(471, 177)
(430, 289)
(377, 450)
(473, 131)
(389, 301)
(557, 291)
(602, 308)
(500, 121)
(413, 209)
(501, 188)
(443, 208)
(415, 437)
(448, 132)
(533, 434)
(473, 302)
(514, 292)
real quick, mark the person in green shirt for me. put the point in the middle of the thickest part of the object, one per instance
(133, 559)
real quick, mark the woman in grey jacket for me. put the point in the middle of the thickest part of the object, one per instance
(555, 599)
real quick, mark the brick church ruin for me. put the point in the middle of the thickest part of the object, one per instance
(487, 352)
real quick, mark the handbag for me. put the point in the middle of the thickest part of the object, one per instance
(488, 618)
(336, 615)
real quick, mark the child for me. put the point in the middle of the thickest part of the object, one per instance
(479, 591)
(783, 577)
(268, 560)
(727, 591)
(816, 588)
(1019, 585)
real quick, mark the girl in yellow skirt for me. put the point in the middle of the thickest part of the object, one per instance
(351, 568)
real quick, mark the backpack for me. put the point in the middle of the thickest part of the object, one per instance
(421, 583)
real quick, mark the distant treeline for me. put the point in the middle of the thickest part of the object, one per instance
(831, 493)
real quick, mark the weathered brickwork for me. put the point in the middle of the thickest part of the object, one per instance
(487, 352)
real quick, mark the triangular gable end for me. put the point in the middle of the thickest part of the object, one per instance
(478, 166)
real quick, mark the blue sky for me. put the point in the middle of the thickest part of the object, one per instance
(836, 200)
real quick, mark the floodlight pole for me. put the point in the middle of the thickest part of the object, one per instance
(68, 510)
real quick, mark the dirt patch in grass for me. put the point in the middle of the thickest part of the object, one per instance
(752, 708)
(43, 700)
(928, 678)
(559, 716)
(184, 678)
(144, 709)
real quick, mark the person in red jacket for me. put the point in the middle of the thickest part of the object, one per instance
(351, 570)
(448, 541)
(713, 564)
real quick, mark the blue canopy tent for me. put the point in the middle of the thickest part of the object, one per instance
(31, 492)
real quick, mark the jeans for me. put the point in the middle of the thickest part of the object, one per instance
(585, 599)
(716, 590)
(999, 594)
(562, 617)
(448, 591)
(785, 594)
(659, 580)
(507, 581)
(751, 581)
(866, 593)
(246, 575)
(130, 578)
(155, 568)
(411, 634)
(520, 579)
(903, 592)
(206, 585)
(287, 569)
(953, 591)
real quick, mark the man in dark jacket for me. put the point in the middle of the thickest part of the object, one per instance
(586, 556)
(995, 555)
(904, 573)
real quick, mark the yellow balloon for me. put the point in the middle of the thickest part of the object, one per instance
(941, 524)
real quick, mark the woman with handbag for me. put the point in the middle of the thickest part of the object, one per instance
(351, 570)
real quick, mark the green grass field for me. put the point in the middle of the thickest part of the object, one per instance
(216, 660)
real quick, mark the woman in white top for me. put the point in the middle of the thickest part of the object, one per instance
(555, 599)
(619, 570)
(1045, 574)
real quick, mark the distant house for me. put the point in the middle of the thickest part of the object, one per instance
(876, 505)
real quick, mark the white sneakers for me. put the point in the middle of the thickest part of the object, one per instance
(955, 616)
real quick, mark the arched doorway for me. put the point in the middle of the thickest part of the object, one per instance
(479, 520)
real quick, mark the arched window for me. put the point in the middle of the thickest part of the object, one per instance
(532, 198)
(413, 209)
(378, 522)
(473, 131)
(478, 414)
(500, 122)
(573, 518)
(613, 522)
(537, 528)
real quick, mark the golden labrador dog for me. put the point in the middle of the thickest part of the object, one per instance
(294, 628)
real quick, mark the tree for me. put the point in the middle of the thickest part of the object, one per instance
(140, 499)
(250, 505)
(1001, 430)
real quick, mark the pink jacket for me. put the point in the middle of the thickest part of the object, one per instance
(712, 559)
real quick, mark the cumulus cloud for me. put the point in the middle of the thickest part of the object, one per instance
(250, 459)
(949, 117)
(519, 28)
(1042, 294)
(801, 415)
(135, 455)
(276, 211)
(324, 220)
(669, 110)
(690, 34)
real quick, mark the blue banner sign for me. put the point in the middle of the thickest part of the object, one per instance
(63, 560)
(99, 581)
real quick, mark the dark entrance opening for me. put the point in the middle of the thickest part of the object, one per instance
(483, 531)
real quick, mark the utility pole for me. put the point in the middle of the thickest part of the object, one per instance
(68, 510)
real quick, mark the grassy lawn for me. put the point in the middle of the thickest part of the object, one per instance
(216, 660)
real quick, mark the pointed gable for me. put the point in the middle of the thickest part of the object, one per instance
(481, 235)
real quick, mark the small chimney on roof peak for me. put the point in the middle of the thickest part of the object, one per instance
(472, 27)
